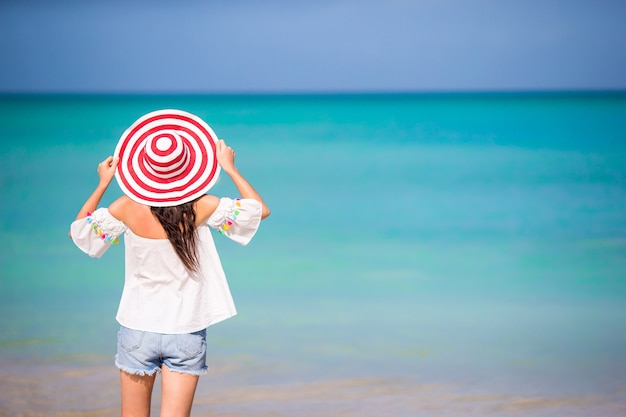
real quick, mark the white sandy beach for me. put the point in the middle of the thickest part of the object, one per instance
(92, 391)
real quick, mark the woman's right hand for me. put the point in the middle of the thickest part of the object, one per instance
(225, 156)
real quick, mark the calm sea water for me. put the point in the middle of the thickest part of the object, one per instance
(475, 240)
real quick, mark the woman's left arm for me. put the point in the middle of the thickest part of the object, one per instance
(106, 172)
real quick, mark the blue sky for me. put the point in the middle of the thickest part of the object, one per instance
(311, 46)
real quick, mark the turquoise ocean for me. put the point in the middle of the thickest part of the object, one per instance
(427, 255)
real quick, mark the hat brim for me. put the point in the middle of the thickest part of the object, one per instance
(138, 181)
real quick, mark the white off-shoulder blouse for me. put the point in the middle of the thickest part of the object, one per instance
(160, 295)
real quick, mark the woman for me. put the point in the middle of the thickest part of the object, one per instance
(174, 282)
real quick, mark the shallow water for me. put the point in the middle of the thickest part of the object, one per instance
(440, 254)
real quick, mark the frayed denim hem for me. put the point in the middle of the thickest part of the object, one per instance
(189, 372)
(139, 372)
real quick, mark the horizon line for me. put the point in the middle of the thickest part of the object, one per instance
(314, 92)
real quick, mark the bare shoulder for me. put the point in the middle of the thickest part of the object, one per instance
(205, 206)
(121, 208)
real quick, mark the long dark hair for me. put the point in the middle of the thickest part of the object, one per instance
(179, 223)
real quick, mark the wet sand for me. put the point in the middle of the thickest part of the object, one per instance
(93, 391)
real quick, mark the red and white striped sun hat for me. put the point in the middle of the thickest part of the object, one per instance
(166, 158)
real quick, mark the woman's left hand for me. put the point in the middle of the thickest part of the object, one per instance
(106, 169)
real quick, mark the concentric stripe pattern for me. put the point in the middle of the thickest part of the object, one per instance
(167, 158)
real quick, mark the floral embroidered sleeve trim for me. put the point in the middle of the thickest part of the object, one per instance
(103, 234)
(230, 218)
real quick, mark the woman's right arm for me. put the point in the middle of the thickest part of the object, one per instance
(226, 158)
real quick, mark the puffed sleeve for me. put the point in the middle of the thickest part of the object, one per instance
(96, 233)
(237, 219)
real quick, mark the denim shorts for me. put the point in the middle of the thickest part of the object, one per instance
(143, 353)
